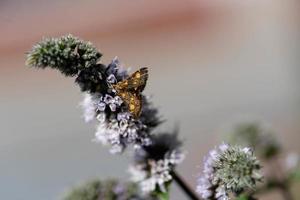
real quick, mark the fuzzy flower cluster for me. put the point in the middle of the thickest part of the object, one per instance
(106, 190)
(228, 169)
(153, 164)
(68, 54)
(155, 156)
(116, 126)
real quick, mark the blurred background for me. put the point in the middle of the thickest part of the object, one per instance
(212, 65)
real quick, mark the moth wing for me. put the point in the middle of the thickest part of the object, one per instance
(138, 80)
(121, 85)
(134, 102)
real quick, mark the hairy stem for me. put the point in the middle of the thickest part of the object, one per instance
(183, 185)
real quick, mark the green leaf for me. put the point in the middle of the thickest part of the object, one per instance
(242, 197)
(295, 175)
(163, 195)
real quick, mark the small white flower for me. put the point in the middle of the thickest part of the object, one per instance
(221, 193)
(112, 107)
(148, 185)
(111, 79)
(205, 193)
(223, 147)
(89, 107)
(101, 117)
(213, 154)
(157, 172)
(123, 116)
(137, 173)
(247, 150)
(100, 135)
(107, 99)
(158, 175)
(116, 149)
(176, 157)
(117, 100)
(101, 106)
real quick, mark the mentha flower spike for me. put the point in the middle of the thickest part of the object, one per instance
(125, 116)
(118, 124)
(228, 169)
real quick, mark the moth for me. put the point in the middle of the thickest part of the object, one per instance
(130, 90)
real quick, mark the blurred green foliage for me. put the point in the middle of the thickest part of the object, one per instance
(253, 135)
(105, 190)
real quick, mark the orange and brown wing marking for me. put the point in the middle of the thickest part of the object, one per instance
(130, 90)
(138, 80)
(134, 102)
(122, 85)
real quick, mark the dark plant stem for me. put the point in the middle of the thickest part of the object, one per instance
(183, 185)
